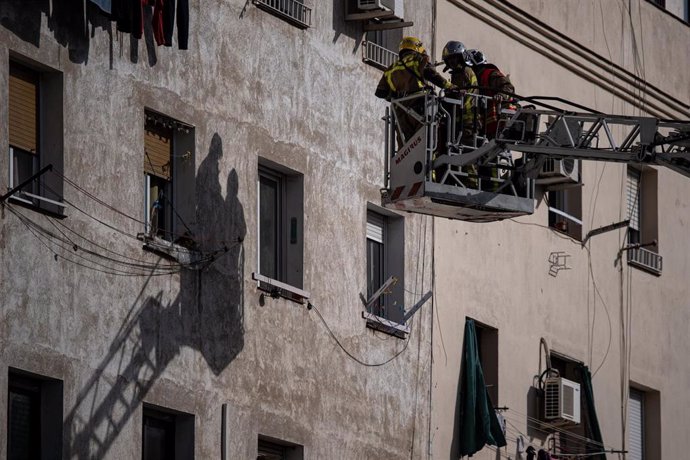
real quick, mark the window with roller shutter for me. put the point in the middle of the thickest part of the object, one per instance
(168, 163)
(35, 135)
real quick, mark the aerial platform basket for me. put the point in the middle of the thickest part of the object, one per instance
(420, 180)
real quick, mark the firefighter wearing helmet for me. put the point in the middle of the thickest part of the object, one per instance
(455, 57)
(492, 83)
(410, 74)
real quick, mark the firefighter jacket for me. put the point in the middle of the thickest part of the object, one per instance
(465, 77)
(409, 75)
(491, 80)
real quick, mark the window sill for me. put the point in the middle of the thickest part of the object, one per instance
(24, 200)
(385, 325)
(169, 250)
(279, 289)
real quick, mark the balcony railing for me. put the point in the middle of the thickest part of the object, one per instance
(646, 260)
(377, 55)
(293, 11)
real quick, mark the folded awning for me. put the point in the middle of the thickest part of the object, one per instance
(478, 422)
(593, 431)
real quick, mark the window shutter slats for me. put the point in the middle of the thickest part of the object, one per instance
(23, 97)
(636, 425)
(633, 198)
(158, 151)
(375, 224)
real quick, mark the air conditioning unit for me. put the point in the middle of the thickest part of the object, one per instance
(396, 6)
(559, 172)
(561, 401)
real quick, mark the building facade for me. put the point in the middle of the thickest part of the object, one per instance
(206, 271)
(619, 311)
(134, 324)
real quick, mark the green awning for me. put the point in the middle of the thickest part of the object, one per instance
(478, 422)
(593, 431)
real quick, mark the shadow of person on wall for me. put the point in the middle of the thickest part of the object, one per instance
(207, 315)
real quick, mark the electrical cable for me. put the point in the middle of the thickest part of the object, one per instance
(346, 351)
(606, 310)
(72, 246)
(56, 255)
(197, 238)
(548, 428)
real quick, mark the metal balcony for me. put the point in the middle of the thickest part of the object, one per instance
(377, 55)
(292, 11)
(646, 260)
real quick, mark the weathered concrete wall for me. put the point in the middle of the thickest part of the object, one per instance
(251, 85)
(499, 274)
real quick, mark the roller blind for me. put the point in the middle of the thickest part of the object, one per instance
(634, 198)
(636, 425)
(158, 150)
(375, 223)
(23, 109)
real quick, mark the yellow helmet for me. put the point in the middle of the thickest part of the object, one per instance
(412, 43)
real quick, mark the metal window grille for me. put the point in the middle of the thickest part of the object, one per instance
(292, 10)
(646, 259)
(378, 55)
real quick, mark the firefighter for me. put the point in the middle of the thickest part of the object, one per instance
(455, 57)
(408, 76)
(493, 83)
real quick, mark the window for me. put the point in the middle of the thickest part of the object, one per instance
(35, 136)
(293, 11)
(381, 47)
(566, 443)
(167, 435)
(633, 202)
(487, 344)
(34, 421)
(641, 200)
(274, 449)
(280, 222)
(169, 176)
(643, 425)
(565, 211)
(385, 246)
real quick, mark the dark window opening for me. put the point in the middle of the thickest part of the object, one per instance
(34, 416)
(565, 211)
(169, 176)
(275, 449)
(166, 434)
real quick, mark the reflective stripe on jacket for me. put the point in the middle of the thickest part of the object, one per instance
(409, 75)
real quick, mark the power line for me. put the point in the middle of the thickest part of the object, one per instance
(347, 352)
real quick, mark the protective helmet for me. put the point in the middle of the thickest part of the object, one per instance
(454, 48)
(476, 57)
(412, 43)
